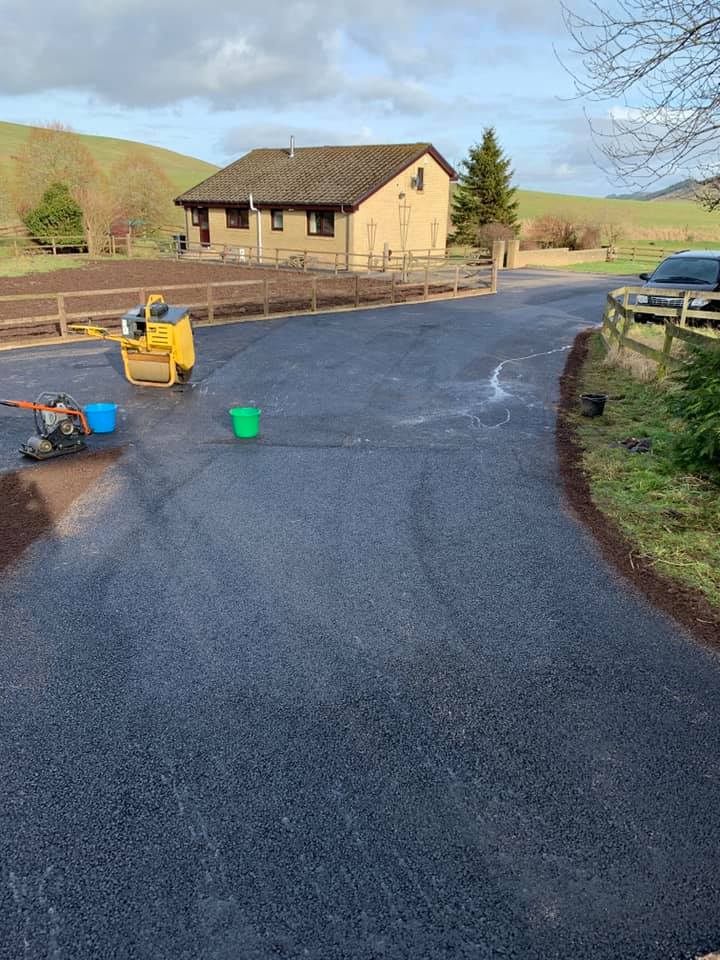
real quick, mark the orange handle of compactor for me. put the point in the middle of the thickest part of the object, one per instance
(28, 405)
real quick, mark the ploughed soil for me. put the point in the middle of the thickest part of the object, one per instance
(687, 606)
(289, 291)
(34, 498)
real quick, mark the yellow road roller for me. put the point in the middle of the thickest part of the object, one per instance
(156, 343)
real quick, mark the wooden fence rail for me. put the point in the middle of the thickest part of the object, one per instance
(622, 307)
(292, 295)
(304, 260)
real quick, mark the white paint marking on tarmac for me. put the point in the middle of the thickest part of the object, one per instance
(499, 393)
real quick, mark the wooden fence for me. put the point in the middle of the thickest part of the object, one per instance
(622, 307)
(239, 299)
(303, 260)
(642, 253)
(165, 245)
(23, 245)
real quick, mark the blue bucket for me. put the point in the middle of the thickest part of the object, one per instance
(101, 417)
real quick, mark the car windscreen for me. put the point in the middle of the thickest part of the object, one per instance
(687, 270)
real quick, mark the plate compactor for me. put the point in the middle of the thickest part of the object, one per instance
(156, 343)
(60, 423)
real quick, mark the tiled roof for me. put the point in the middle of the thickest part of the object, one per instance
(314, 175)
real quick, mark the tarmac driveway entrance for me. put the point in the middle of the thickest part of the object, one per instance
(362, 689)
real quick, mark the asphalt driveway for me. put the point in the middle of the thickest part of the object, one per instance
(362, 689)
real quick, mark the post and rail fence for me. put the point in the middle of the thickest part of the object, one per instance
(166, 245)
(621, 308)
(237, 300)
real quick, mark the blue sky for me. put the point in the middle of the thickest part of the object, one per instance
(214, 78)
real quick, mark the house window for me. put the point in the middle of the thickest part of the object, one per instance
(276, 217)
(420, 178)
(237, 218)
(195, 212)
(320, 223)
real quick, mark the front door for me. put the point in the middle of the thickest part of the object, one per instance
(204, 227)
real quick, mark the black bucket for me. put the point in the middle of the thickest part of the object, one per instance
(593, 404)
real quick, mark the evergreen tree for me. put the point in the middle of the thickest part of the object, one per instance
(57, 215)
(484, 194)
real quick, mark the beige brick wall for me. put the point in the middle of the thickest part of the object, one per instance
(557, 257)
(423, 209)
(293, 236)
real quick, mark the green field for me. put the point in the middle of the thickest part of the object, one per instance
(183, 172)
(669, 220)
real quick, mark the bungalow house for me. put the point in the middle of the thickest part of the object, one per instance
(343, 201)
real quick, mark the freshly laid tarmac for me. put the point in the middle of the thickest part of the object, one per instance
(361, 689)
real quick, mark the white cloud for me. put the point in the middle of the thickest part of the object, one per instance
(237, 54)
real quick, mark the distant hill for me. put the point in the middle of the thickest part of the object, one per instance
(684, 190)
(183, 172)
(678, 220)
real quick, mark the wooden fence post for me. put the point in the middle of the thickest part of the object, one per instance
(62, 314)
(129, 245)
(493, 277)
(357, 289)
(667, 347)
(427, 282)
(266, 297)
(457, 281)
(685, 306)
(54, 247)
(313, 295)
(15, 247)
(336, 263)
(392, 287)
(305, 258)
(211, 304)
(627, 315)
(277, 258)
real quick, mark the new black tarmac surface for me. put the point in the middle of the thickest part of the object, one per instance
(362, 689)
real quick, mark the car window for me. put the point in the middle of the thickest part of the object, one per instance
(687, 270)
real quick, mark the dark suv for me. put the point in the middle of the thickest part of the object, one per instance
(696, 270)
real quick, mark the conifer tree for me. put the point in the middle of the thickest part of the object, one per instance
(485, 193)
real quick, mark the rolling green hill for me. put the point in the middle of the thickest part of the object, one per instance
(658, 220)
(182, 171)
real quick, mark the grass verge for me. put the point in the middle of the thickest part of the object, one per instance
(625, 268)
(20, 266)
(664, 529)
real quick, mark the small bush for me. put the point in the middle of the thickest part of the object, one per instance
(697, 404)
(57, 216)
(490, 232)
(549, 231)
(590, 237)
(611, 233)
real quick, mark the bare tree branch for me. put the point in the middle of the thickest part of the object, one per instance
(658, 62)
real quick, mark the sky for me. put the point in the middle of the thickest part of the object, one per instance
(215, 78)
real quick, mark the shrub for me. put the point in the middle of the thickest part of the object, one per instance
(697, 404)
(551, 231)
(589, 238)
(490, 232)
(57, 216)
(611, 233)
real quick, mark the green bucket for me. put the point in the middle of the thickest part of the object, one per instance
(245, 421)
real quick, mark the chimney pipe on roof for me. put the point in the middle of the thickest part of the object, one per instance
(292, 146)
